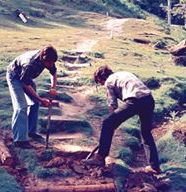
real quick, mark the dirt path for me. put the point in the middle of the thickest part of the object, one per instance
(112, 27)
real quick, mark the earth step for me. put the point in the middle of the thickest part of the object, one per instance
(55, 162)
(66, 125)
(76, 65)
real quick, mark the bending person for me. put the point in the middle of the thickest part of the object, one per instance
(137, 100)
(25, 100)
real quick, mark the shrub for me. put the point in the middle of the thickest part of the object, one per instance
(133, 143)
(126, 155)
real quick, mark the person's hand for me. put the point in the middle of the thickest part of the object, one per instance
(53, 92)
(45, 102)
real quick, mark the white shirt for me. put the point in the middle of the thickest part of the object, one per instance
(123, 85)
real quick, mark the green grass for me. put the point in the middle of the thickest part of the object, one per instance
(172, 156)
(8, 182)
(31, 162)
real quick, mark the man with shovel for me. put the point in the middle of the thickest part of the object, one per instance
(137, 100)
(25, 100)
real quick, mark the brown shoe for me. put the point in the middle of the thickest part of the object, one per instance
(22, 144)
(149, 169)
(96, 160)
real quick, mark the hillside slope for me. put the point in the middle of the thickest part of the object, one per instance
(136, 45)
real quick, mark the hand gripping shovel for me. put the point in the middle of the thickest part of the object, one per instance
(48, 124)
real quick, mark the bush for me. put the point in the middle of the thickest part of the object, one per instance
(133, 143)
(126, 155)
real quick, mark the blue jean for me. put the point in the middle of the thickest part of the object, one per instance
(25, 109)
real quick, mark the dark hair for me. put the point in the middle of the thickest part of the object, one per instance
(48, 53)
(102, 73)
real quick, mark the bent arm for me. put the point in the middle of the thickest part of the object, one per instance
(53, 80)
(29, 89)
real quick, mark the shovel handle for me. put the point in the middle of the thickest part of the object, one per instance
(92, 152)
(48, 124)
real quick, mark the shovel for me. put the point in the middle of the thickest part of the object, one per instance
(92, 152)
(48, 124)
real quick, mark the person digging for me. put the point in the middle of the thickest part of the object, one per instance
(137, 100)
(25, 100)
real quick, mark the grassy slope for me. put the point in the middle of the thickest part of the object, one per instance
(64, 27)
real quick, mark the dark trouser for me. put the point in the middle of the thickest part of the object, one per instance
(144, 108)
